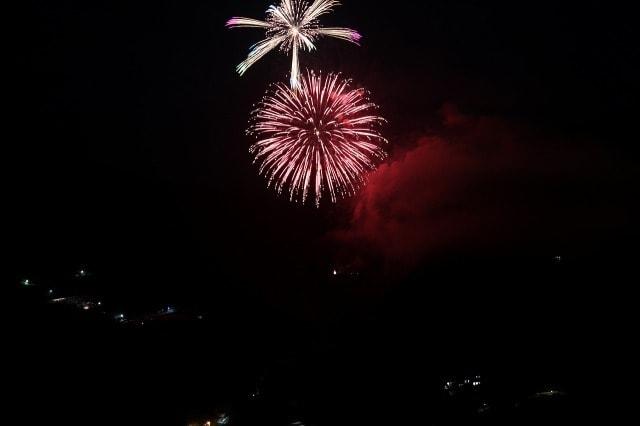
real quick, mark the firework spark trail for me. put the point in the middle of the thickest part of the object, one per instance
(292, 26)
(320, 137)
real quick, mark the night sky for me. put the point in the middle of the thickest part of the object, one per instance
(513, 140)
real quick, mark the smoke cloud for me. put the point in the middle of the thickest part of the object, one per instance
(483, 184)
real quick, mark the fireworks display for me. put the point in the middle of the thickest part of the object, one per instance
(321, 137)
(318, 136)
(292, 26)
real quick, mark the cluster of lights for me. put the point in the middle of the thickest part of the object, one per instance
(86, 304)
(222, 420)
(451, 385)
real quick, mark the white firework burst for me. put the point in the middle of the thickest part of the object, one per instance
(320, 138)
(292, 26)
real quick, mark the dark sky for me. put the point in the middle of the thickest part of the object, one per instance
(513, 139)
(132, 155)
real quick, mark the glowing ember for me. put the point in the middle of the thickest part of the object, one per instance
(322, 137)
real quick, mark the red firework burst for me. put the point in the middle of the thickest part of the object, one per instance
(322, 137)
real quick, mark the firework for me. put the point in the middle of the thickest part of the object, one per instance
(292, 26)
(321, 137)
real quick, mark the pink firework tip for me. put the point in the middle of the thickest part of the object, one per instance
(238, 22)
(321, 138)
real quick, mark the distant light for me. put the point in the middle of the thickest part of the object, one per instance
(50, 291)
(99, 303)
(549, 393)
(484, 408)
(223, 419)
(335, 272)
(85, 307)
(26, 283)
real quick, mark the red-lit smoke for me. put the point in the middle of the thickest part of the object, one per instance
(483, 185)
